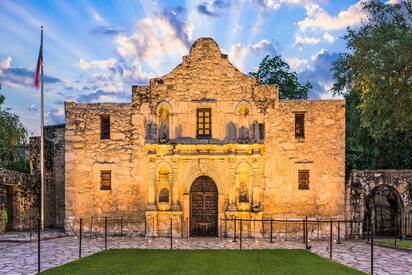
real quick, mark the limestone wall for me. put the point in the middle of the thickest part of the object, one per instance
(86, 155)
(54, 172)
(16, 200)
(322, 152)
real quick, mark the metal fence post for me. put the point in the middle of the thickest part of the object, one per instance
(91, 227)
(188, 228)
(234, 224)
(221, 230)
(240, 236)
(145, 226)
(338, 232)
(286, 230)
(271, 230)
(171, 233)
(30, 225)
(80, 238)
(330, 240)
(121, 226)
(38, 245)
(105, 233)
(303, 231)
(306, 233)
(367, 229)
(372, 226)
(225, 227)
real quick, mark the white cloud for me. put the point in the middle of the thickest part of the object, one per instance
(5, 63)
(318, 18)
(97, 64)
(297, 64)
(328, 38)
(99, 19)
(276, 4)
(155, 40)
(315, 56)
(238, 53)
(301, 40)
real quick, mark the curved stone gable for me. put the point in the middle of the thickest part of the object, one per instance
(204, 74)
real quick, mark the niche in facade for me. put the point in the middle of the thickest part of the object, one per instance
(243, 186)
(164, 115)
(163, 184)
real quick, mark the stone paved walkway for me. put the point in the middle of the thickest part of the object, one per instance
(22, 258)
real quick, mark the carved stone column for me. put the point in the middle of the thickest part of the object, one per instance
(151, 190)
(175, 190)
(255, 184)
(232, 179)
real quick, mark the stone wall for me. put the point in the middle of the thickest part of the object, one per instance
(86, 155)
(54, 172)
(322, 152)
(16, 200)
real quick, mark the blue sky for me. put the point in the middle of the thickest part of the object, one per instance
(95, 50)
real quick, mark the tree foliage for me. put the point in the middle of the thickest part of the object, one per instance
(13, 141)
(273, 70)
(376, 79)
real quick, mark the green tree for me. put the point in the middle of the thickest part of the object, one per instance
(376, 79)
(273, 70)
(13, 141)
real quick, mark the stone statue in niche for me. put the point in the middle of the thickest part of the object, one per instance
(231, 131)
(256, 132)
(151, 133)
(164, 132)
(243, 194)
(243, 135)
(164, 124)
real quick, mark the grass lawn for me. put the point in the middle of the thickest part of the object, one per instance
(400, 243)
(142, 261)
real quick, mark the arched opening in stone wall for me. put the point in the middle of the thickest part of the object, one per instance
(383, 207)
(203, 207)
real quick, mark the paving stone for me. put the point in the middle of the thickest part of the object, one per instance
(22, 258)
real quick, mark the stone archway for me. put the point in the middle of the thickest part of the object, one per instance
(393, 189)
(203, 207)
(383, 207)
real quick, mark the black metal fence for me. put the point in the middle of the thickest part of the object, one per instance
(305, 231)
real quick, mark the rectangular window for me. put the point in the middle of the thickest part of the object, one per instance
(303, 179)
(105, 180)
(204, 123)
(300, 125)
(105, 127)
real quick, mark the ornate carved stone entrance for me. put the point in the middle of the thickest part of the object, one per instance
(203, 207)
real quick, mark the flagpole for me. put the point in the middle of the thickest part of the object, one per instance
(42, 137)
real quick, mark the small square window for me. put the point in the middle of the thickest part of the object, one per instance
(105, 180)
(303, 179)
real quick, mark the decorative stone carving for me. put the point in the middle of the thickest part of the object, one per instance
(244, 135)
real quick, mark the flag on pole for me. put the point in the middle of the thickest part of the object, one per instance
(38, 67)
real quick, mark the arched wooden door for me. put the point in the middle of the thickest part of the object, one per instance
(203, 207)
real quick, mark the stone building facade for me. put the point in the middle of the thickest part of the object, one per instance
(201, 143)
